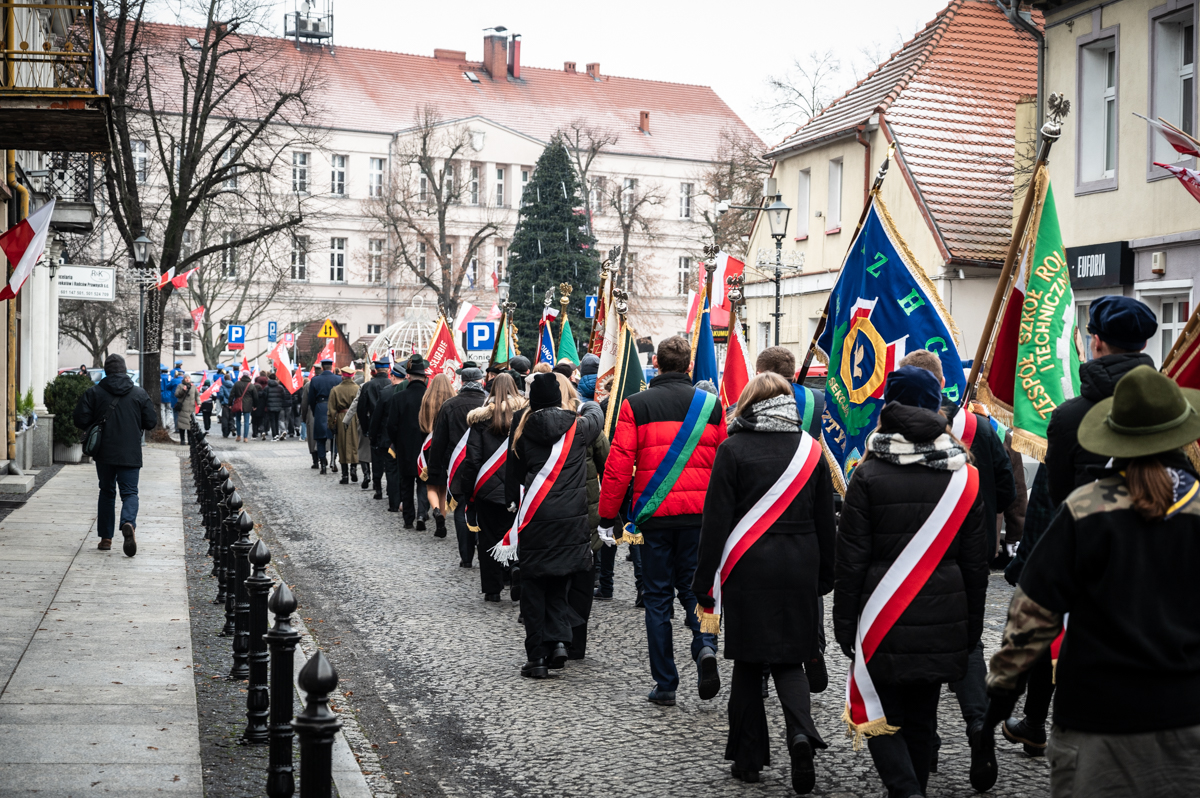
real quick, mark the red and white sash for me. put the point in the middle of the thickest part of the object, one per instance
(532, 499)
(1056, 649)
(491, 467)
(758, 519)
(457, 456)
(900, 585)
(422, 465)
(964, 425)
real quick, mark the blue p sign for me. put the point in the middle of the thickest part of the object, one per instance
(481, 335)
(272, 331)
(589, 306)
(235, 335)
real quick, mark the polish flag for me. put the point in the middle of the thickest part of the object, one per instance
(719, 307)
(737, 368)
(693, 309)
(23, 245)
(283, 367)
(1189, 177)
(549, 314)
(182, 280)
(466, 314)
(245, 365)
(166, 277)
(494, 313)
(298, 377)
(197, 318)
(495, 281)
(1180, 141)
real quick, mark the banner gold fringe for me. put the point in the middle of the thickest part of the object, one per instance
(1001, 411)
(452, 505)
(876, 728)
(1030, 444)
(710, 622)
(1193, 453)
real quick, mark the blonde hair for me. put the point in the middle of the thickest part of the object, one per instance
(439, 391)
(504, 400)
(570, 401)
(764, 386)
(542, 368)
(924, 359)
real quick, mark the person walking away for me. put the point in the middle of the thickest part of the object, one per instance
(890, 534)
(449, 445)
(769, 591)
(173, 383)
(581, 591)
(340, 400)
(440, 391)
(185, 400)
(127, 412)
(261, 404)
(308, 420)
(549, 448)
(480, 478)
(319, 388)
(1127, 710)
(242, 398)
(206, 407)
(277, 401)
(1119, 327)
(608, 554)
(405, 411)
(382, 451)
(998, 490)
(368, 399)
(663, 446)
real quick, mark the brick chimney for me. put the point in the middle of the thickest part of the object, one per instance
(569, 66)
(514, 56)
(495, 55)
(644, 122)
(593, 69)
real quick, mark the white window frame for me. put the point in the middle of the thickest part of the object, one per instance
(182, 338)
(500, 187)
(1096, 101)
(375, 260)
(228, 256)
(1172, 81)
(628, 190)
(833, 214)
(300, 245)
(473, 187)
(472, 273)
(683, 276)
(423, 189)
(627, 279)
(448, 183)
(374, 329)
(685, 200)
(1174, 327)
(499, 263)
(299, 172)
(231, 182)
(141, 157)
(337, 260)
(423, 258)
(803, 202)
(337, 175)
(375, 178)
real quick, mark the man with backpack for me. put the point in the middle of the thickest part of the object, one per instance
(122, 411)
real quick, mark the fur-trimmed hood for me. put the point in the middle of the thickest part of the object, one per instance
(485, 413)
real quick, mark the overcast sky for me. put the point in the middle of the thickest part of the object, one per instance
(730, 46)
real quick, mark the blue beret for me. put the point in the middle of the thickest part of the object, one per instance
(910, 385)
(1122, 321)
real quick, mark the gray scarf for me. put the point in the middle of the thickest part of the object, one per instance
(777, 414)
(942, 453)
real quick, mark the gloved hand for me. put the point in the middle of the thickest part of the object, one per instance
(706, 601)
(512, 508)
(606, 535)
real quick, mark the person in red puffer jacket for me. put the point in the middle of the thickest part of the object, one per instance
(664, 443)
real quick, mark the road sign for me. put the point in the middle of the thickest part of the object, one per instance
(328, 330)
(589, 306)
(481, 336)
(289, 339)
(272, 331)
(235, 334)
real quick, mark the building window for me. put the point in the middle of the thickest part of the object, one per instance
(337, 178)
(803, 211)
(375, 260)
(474, 188)
(628, 272)
(472, 272)
(684, 277)
(423, 189)
(628, 189)
(685, 200)
(499, 263)
(183, 336)
(422, 258)
(139, 149)
(525, 174)
(833, 216)
(337, 260)
(374, 329)
(764, 335)
(300, 258)
(499, 187)
(231, 181)
(1173, 61)
(1172, 318)
(596, 196)
(185, 246)
(1098, 112)
(300, 172)
(228, 255)
(375, 178)
(448, 183)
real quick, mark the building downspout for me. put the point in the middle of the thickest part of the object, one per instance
(866, 142)
(11, 365)
(1011, 10)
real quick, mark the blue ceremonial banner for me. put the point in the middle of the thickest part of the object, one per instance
(705, 365)
(882, 306)
(545, 345)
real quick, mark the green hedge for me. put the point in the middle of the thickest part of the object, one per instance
(61, 397)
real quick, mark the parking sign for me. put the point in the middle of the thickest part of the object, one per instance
(481, 336)
(589, 306)
(289, 339)
(272, 331)
(235, 334)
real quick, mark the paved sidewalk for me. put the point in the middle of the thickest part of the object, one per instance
(96, 689)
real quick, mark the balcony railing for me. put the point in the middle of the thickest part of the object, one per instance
(50, 48)
(72, 176)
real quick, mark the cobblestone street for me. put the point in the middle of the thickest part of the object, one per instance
(432, 670)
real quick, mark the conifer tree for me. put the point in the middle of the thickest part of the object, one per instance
(551, 246)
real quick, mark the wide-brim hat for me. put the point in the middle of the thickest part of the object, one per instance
(416, 365)
(1147, 414)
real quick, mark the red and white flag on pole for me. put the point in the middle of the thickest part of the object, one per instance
(327, 353)
(283, 367)
(245, 365)
(443, 354)
(1189, 177)
(181, 280)
(1182, 142)
(166, 277)
(210, 390)
(494, 314)
(23, 245)
(197, 318)
(719, 306)
(737, 367)
(466, 314)
(495, 280)
(298, 378)
(693, 309)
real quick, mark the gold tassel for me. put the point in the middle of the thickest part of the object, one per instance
(424, 475)
(875, 728)
(453, 504)
(710, 622)
(472, 528)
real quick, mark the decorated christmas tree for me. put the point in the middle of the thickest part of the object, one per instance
(551, 246)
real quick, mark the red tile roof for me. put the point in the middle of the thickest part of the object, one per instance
(949, 99)
(378, 91)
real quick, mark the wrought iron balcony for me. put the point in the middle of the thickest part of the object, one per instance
(70, 178)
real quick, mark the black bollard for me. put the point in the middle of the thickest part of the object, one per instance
(228, 568)
(241, 599)
(257, 700)
(221, 510)
(282, 639)
(316, 725)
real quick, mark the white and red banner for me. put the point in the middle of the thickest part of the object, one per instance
(210, 390)
(737, 372)
(443, 354)
(466, 314)
(693, 309)
(298, 377)
(727, 266)
(422, 463)
(964, 426)
(1189, 177)
(494, 314)
(283, 367)
(1181, 142)
(23, 245)
(329, 351)
(759, 518)
(197, 318)
(491, 467)
(531, 500)
(900, 585)
(245, 365)
(457, 456)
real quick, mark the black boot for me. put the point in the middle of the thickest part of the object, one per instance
(345, 480)
(324, 465)
(354, 472)
(366, 483)
(316, 462)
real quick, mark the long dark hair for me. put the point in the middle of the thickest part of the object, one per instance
(1150, 487)
(504, 400)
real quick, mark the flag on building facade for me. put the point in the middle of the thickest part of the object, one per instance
(1032, 364)
(566, 342)
(23, 244)
(704, 350)
(197, 318)
(466, 314)
(628, 377)
(494, 313)
(1189, 177)
(1180, 141)
(736, 375)
(882, 305)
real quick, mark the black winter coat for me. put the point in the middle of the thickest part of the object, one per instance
(378, 431)
(885, 506)
(448, 429)
(131, 413)
(368, 400)
(1066, 461)
(770, 598)
(482, 444)
(996, 483)
(556, 541)
(404, 426)
(277, 396)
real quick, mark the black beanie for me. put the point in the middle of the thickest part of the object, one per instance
(544, 392)
(114, 364)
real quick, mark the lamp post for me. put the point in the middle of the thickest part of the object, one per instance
(502, 292)
(777, 218)
(141, 257)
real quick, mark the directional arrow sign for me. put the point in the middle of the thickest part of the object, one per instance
(328, 330)
(589, 306)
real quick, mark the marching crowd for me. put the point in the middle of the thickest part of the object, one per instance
(732, 512)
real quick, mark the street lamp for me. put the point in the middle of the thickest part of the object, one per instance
(141, 260)
(502, 291)
(777, 218)
(141, 250)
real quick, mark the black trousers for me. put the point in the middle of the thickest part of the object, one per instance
(548, 616)
(273, 421)
(207, 419)
(379, 458)
(902, 759)
(409, 485)
(494, 520)
(748, 745)
(579, 596)
(466, 538)
(1040, 690)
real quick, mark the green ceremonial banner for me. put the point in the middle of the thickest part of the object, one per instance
(628, 378)
(1047, 372)
(566, 343)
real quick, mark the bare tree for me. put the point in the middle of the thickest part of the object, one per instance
(632, 203)
(800, 93)
(96, 325)
(198, 121)
(735, 174)
(584, 142)
(417, 210)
